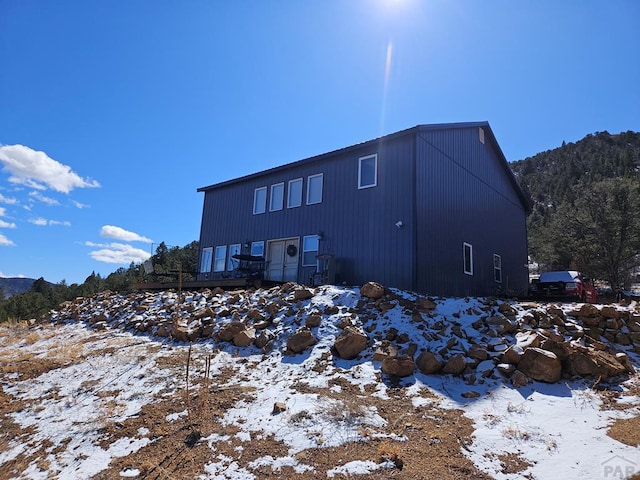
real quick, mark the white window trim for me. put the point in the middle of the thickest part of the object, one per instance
(321, 176)
(315, 261)
(272, 207)
(255, 198)
(215, 258)
(499, 269)
(464, 258)
(289, 203)
(233, 249)
(206, 260)
(375, 171)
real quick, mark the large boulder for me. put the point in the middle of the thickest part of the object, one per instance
(581, 364)
(372, 290)
(400, 366)
(540, 365)
(245, 337)
(230, 330)
(300, 340)
(351, 342)
(302, 294)
(455, 365)
(429, 362)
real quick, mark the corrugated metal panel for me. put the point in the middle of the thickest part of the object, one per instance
(358, 226)
(465, 195)
(443, 184)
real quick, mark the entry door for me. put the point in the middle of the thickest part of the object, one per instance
(282, 258)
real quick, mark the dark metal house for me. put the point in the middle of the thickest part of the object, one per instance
(434, 209)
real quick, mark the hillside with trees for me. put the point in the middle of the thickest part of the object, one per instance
(585, 199)
(43, 296)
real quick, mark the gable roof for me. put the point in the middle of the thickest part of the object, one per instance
(409, 131)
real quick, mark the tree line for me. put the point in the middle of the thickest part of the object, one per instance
(585, 200)
(43, 296)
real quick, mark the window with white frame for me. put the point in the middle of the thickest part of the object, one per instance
(232, 263)
(220, 258)
(257, 249)
(310, 250)
(368, 171)
(294, 194)
(314, 189)
(277, 197)
(467, 252)
(497, 268)
(259, 200)
(205, 260)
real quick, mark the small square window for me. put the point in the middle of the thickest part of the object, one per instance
(257, 249)
(467, 252)
(314, 189)
(259, 200)
(277, 197)
(368, 171)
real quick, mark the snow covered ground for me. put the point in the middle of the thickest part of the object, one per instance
(90, 382)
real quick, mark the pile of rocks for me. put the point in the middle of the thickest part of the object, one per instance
(404, 332)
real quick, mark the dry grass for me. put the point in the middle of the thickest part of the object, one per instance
(626, 430)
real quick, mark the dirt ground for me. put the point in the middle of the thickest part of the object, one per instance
(434, 447)
(435, 438)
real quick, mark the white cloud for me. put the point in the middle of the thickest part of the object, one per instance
(5, 242)
(117, 233)
(4, 224)
(118, 253)
(37, 170)
(78, 204)
(8, 200)
(43, 199)
(43, 222)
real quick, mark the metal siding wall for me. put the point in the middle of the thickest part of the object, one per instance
(358, 226)
(464, 195)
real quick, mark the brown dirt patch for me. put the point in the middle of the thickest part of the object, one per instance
(626, 430)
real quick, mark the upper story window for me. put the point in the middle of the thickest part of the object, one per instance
(205, 261)
(294, 198)
(467, 252)
(314, 189)
(277, 197)
(259, 200)
(368, 171)
(481, 134)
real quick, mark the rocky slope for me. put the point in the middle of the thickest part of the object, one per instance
(477, 339)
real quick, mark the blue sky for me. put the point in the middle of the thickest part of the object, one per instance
(113, 113)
